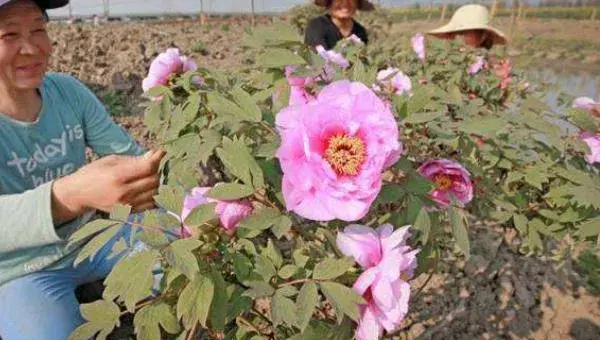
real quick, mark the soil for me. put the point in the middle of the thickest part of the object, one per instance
(498, 293)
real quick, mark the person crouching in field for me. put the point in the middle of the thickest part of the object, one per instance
(471, 23)
(337, 24)
(46, 191)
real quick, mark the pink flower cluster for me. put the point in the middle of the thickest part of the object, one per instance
(333, 152)
(394, 81)
(333, 57)
(479, 64)
(388, 263)
(450, 179)
(298, 84)
(592, 140)
(418, 45)
(230, 212)
(164, 66)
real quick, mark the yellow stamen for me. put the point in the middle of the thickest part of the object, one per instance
(443, 182)
(345, 154)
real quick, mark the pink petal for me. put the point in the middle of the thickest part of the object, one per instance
(361, 243)
(368, 326)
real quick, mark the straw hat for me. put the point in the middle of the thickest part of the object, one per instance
(470, 17)
(363, 5)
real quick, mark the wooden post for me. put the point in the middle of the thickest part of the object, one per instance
(253, 17)
(593, 17)
(202, 14)
(494, 9)
(521, 6)
(443, 16)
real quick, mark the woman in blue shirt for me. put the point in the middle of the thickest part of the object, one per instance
(46, 190)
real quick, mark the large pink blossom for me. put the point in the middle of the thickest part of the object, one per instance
(593, 142)
(394, 81)
(388, 263)
(334, 150)
(450, 178)
(588, 104)
(298, 84)
(333, 57)
(479, 64)
(418, 45)
(230, 212)
(165, 65)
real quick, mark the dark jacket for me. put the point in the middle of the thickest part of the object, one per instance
(322, 31)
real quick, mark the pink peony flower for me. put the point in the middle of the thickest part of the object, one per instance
(230, 212)
(165, 65)
(478, 65)
(394, 80)
(333, 57)
(389, 262)
(418, 45)
(333, 151)
(298, 84)
(588, 104)
(593, 142)
(450, 179)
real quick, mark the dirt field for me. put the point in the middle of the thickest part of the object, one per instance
(497, 294)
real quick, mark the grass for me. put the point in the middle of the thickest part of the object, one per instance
(588, 266)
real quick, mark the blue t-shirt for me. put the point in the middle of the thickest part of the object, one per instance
(32, 155)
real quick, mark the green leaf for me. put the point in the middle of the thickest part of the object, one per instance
(259, 289)
(261, 219)
(583, 120)
(287, 271)
(283, 310)
(459, 229)
(201, 214)
(307, 300)
(92, 228)
(264, 267)
(241, 266)
(153, 238)
(93, 246)
(218, 308)
(195, 300)
(131, 279)
(120, 212)
(345, 299)
(149, 319)
(520, 222)
(237, 158)
(245, 101)
(272, 253)
(282, 226)
(423, 117)
(102, 316)
(589, 228)
(179, 255)
(170, 198)
(423, 224)
(330, 268)
(483, 126)
(279, 58)
(230, 191)
(419, 100)
(227, 109)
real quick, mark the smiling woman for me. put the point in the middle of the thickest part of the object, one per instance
(46, 190)
(337, 24)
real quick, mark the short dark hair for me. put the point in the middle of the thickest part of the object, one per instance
(363, 5)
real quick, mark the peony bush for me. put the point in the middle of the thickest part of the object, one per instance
(301, 195)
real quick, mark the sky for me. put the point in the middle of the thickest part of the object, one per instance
(125, 7)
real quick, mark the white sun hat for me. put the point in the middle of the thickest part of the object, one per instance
(470, 17)
(43, 4)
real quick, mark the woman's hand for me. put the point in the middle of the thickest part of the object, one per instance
(106, 182)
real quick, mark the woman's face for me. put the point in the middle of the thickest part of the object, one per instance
(343, 9)
(25, 47)
(473, 38)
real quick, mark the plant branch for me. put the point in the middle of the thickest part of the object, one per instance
(244, 321)
(192, 332)
(295, 282)
(140, 305)
(269, 128)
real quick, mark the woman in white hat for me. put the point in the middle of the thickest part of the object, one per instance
(46, 191)
(471, 22)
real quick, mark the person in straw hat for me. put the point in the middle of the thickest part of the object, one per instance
(337, 24)
(472, 23)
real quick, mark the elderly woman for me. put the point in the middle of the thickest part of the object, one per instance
(337, 24)
(471, 23)
(46, 191)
